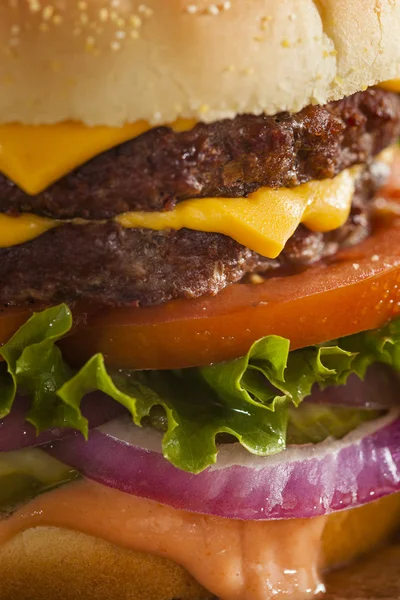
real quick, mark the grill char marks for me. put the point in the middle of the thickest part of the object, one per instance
(108, 264)
(227, 158)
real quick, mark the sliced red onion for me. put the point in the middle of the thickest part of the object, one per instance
(303, 481)
(16, 432)
(379, 390)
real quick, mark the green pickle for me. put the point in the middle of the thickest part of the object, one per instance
(314, 423)
(28, 472)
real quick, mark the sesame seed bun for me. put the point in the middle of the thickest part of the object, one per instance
(47, 562)
(115, 61)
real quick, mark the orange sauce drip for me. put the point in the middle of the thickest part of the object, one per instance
(235, 560)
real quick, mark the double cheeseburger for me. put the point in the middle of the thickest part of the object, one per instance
(200, 297)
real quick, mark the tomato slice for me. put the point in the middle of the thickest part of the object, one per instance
(10, 320)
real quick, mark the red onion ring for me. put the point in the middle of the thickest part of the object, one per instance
(303, 481)
(16, 432)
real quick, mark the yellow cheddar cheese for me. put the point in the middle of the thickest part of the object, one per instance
(35, 156)
(21, 229)
(393, 85)
(263, 222)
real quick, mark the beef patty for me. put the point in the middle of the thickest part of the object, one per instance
(228, 158)
(108, 264)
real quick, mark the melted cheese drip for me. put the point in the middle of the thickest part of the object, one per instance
(35, 156)
(235, 560)
(263, 222)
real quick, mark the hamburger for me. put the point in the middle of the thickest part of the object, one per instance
(200, 302)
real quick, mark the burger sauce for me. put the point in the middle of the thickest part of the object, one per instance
(233, 559)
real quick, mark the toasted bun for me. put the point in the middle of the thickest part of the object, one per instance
(115, 61)
(67, 565)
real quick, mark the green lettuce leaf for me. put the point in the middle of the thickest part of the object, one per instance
(247, 398)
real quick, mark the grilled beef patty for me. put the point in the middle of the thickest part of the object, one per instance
(228, 158)
(105, 263)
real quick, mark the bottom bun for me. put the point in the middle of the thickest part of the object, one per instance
(375, 577)
(47, 563)
(57, 564)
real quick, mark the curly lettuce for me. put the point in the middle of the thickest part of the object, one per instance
(250, 398)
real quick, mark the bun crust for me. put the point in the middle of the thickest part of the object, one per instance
(115, 61)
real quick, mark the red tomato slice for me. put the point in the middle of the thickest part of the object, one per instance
(10, 320)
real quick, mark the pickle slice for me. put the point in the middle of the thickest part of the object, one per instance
(314, 423)
(28, 472)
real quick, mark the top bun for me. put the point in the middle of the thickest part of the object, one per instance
(115, 61)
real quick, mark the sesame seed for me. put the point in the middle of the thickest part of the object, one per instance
(213, 9)
(34, 6)
(264, 22)
(145, 10)
(135, 21)
(204, 108)
(47, 13)
(90, 42)
(103, 14)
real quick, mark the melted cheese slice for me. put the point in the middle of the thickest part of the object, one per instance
(393, 85)
(266, 219)
(34, 157)
(263, 222)
(21, 229)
